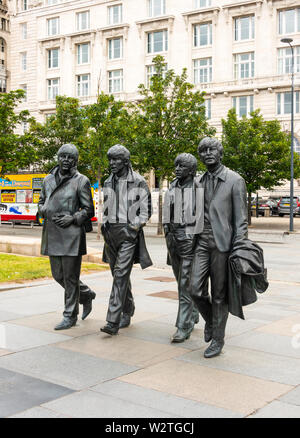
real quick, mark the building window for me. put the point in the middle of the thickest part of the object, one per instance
(289, 21)
(2, 45)
(151, 71)
(24, 128)
(284, 102)
(158, 41)
(285, 60)
(115, 48)
(53, 58)
(244, 65)
(24, 5)
(207, 105)
(202, 3)
(296, 145)
(244, 28)
(24, 61)
(115, 14)
(53, 26)
(83, 85)
(53, 88)
(83, 53)
(52, 2)
(2, 85)
(24, 31)
(115, 81)
(156, 7)
(202, 70)
(83, 20)
(202, 35)
(24, 87)
(243, 105)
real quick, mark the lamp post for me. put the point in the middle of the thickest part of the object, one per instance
(289, 41)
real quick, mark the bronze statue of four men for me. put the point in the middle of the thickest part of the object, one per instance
(205, 225)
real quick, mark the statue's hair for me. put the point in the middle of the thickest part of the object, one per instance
(120, 151)
(72, 149)
(189, 160)
(210, 141)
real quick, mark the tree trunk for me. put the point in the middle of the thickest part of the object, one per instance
(160, 210)
(249, 208)
(99, 176)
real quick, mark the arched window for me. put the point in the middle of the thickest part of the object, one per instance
(2, 45)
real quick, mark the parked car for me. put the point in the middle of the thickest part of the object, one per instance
(284, 206)
(263, 207)
(273, 204)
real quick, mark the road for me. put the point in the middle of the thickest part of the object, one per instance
(281, 259)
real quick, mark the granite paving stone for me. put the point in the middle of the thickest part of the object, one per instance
(269, 343)
(123, 349)
(287, 326)
(63, 367)
(292, 397)
(161, 333)
(16, 338)
(90, 404)
(253, 363)
(224, 389)
(178, 406)
(38, 412)
(277, 409)
(19, 392)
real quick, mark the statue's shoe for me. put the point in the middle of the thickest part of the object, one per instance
(214, 349)
(110, 329)
(66, 323)
(181, 335)
(87, 307)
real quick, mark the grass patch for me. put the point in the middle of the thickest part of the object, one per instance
(18, 268)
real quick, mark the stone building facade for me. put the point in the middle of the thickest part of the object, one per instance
(231, 48)
(4, 46)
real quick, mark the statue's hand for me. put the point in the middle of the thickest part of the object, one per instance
(63, 221)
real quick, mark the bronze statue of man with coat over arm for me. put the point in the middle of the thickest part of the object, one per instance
(66, 204)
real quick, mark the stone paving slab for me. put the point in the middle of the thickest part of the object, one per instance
(123, 349)
(280, 345)
(177, 406)
(19, 392)
(285, 327)
(253, 363)
(56, 365)
(277, 409)
(38, 412)
(224, 389)
(90, 404)
(292, 397)
(14, 339)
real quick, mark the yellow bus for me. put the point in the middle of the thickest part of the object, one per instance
(19, 197)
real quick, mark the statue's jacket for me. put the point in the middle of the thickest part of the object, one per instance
(137, 193)
(72, 196)
(246, 275)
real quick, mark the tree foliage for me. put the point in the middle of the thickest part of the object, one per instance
(258, 150)
(169, 119)
(17, 151)
(66, 125)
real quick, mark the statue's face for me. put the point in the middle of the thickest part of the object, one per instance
(117, 164)
(210, 155)
(66, 160)
(182, 170)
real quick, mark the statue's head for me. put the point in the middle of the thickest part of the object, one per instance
(119, 158)
(185, 165)
(67, 157)
(210, 151)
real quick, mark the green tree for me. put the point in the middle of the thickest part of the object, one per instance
(258, 150)
(66, 125)
(17, 151)
(170, 119)
(108, 123)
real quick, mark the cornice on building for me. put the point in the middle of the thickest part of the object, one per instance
(115, 30)
(155, 23)
(242, 4)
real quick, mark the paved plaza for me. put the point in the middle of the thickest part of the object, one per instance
(82, 372)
